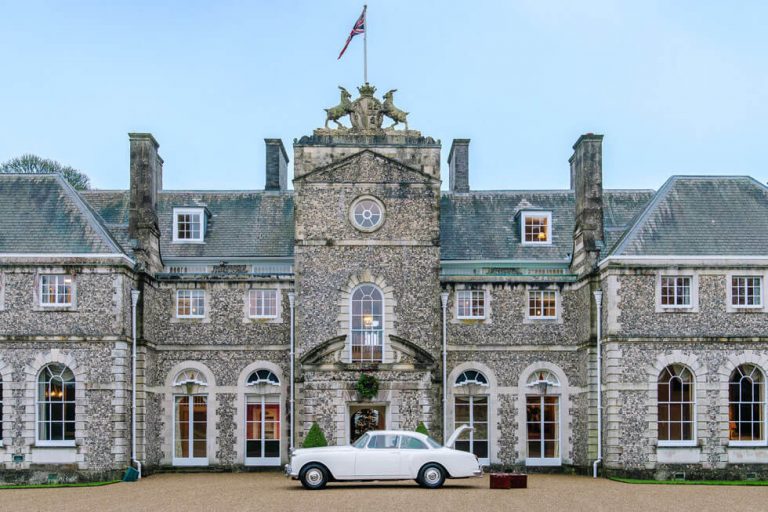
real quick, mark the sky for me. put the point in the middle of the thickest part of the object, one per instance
(676, 87)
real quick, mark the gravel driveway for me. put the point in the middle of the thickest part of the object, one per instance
(273, 492)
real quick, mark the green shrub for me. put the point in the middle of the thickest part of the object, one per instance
(315, 438)
(422, 429)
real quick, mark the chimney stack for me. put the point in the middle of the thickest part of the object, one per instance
(587, 185)
(146, 183)
(458, 166)
(277, 165)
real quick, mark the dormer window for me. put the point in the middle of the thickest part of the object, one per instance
(536, 228)
(188, 225)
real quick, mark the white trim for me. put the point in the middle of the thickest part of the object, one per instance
(710, 261)
(66, 255)
(188, 211)
(471, 291)
(527, 306)
(693, 306)
(57, 275)
(382, 214)
(533, 213)
(383, 322)
(191, 315)
(274, 398)
(190, 461)
(733, 308)
(252, 298)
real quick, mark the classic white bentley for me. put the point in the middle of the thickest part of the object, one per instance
(384, 455)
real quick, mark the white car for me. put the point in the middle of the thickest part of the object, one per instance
(384, 455)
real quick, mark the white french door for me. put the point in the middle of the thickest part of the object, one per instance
(262, 431)
(473, 411)
(543, 429)
(190, 432)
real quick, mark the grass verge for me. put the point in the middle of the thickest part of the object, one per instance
(690, 482)
(55, 486)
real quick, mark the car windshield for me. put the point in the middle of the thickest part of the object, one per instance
(360, 443)
(433, 443)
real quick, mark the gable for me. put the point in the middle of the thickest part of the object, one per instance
(367, 167)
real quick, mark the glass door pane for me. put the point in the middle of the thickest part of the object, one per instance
(190, 430)
(262, 431)
(472, 411)
(543, 428)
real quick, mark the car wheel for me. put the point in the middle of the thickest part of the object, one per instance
(432, 476)
(313, 477)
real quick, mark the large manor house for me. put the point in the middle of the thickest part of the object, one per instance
(625, 330)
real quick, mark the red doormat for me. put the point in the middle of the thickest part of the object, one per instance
(509, 481)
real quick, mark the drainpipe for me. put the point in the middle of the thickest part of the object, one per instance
(444, 300)
(599, 302)
(292, 302)
(134, 301)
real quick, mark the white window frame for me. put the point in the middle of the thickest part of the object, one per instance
(528, 315)
(472, 294)
(693, 307)
(381, 330)
(531, 214)
(38, 420)
(382, 214)
(694, 412)
(188, 211)
(192, 292)
(760, 296)
(263, 400)
(41, 294)
(545, 461)
(191, 460)
(764, 402)
(253, 298)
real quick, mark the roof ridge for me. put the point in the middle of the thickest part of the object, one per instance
(642, 217)
(93, 218)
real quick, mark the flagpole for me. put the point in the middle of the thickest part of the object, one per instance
(365, 44)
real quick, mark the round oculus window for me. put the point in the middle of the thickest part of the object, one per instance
(367, 214)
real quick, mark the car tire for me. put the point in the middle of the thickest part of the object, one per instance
(432, 476)
(313, 477)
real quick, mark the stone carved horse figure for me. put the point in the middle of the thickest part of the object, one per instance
(389, 109)
(340, 110)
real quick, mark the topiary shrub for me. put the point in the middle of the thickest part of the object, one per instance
(367, 386)
(315, 438)
(422, 429)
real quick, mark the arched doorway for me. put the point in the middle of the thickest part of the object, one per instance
(471, 408)
(263, 417)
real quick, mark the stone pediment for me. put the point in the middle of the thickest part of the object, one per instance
(333, 354)
(367, 167)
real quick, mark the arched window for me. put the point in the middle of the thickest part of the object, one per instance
(190, 376)
(56, 405)
(676, 417)
(542, 419)
(471, 408)
(471, 377)
(262, 377)
(367, 323)
(746, 404)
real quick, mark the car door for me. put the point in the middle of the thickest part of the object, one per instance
(413, 455)
(380, 459)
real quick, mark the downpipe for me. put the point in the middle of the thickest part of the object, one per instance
(599, 303)
(134, 301)
(292, 302)
(444, 300)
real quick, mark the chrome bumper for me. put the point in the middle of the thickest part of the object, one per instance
(479, 472)
(288, 471)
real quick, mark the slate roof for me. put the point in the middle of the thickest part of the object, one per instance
(701, 216)
(486, 225)
(42, 213)
(242, 223)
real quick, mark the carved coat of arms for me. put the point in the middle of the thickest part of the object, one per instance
(366, 113)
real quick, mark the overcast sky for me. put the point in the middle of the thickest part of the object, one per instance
(677, 87)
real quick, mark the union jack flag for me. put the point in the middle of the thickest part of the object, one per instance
(359, 28)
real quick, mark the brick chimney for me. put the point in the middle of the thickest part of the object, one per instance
(587, 185)
(146, 183)
(277, 165)
(458, 166)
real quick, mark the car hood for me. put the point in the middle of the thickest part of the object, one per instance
(456, 433)
(324, 449)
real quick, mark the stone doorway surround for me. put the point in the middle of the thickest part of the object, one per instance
(381, 408)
